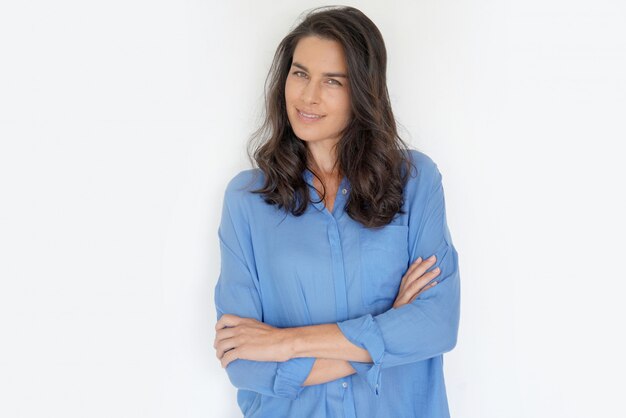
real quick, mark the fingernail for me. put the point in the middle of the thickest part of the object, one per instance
(432, 257)
(418, 260)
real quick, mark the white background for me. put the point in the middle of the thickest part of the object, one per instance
(122, 121)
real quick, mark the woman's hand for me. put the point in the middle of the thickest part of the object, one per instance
(246, 338)
(415, 279)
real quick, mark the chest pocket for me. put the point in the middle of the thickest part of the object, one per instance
(384, 259)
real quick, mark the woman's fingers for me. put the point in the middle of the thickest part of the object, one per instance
(416, 279)
(417, 285)
(224, 346)
(433, 284)
(224, 334)
(414, 265)
(407, 274)
(419, 267)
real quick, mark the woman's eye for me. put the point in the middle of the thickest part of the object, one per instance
(332, 81)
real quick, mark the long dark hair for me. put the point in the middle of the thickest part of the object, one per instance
(370, 153)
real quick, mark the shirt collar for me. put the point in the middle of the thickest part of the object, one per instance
(308, 178)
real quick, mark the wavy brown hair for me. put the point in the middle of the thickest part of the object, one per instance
(370, 153)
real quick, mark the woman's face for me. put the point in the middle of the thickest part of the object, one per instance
(317, 84)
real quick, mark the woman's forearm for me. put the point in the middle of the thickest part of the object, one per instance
(326, 370)
(325, 341)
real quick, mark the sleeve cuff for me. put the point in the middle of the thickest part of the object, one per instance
(365, 333)
(290, 375)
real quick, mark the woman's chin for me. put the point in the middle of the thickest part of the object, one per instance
(303, 135)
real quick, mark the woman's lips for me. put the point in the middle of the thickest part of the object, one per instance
(308, 119)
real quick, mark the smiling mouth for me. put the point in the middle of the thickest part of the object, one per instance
(309, 116)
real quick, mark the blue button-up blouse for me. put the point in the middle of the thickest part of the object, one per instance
(324, 267)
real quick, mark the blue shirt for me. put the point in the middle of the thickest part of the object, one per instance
(324, 267)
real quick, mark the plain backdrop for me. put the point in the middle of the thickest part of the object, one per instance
(122, 121)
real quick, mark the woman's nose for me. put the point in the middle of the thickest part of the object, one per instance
(310, 93)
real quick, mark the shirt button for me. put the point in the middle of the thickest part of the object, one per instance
(344, 191)
(344, 384)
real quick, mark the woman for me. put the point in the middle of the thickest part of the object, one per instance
(326, 299)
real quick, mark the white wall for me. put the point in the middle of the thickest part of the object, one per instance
(122, 121)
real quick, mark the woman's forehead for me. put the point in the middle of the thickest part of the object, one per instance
(314, 54)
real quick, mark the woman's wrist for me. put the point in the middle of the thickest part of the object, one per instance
(291, 342)
(322, 341)
(327, 370)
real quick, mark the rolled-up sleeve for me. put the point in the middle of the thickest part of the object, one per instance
(237, 293)
(428, 326)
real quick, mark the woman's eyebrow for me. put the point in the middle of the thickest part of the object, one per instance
(297, 64)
